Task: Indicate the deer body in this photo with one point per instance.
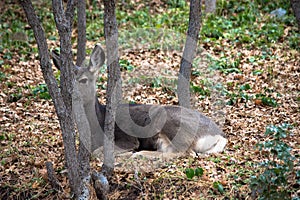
(183, 129)
(167, 129)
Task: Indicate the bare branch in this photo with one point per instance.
(59, 14)
(52, 178)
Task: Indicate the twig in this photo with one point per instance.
(52, 178)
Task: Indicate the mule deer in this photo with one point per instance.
(167, 129)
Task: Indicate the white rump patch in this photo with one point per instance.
(210, 144)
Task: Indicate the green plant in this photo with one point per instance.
(162, 81)
(2, 76)
(242, 95)
(42, 91)
(191, 173)
(278, 166)
(15, 97)
(266, 100)
(226, 65)
(217, 185)
(126, 65)
(2, 136)
(257, 72)
(294, 41)
(202, 90)
(176, 3)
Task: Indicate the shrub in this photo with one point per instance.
(278, 168)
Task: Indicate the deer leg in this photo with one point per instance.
(164, 144)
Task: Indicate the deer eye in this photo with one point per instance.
(83, 81)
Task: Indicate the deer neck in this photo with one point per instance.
(95, 115)
(100, 112)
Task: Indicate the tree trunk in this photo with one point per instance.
(114, 92)
(81, 118)
(61, 97)
(184, 77)
(296, 8)
(64, 22)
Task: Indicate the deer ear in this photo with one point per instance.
(97, 58)
(56, 59)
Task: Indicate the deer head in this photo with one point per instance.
(86, 76)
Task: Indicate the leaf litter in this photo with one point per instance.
(30, 133)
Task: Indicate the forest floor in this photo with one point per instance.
(262, 89)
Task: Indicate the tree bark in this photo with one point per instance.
(83, 152)
(81, 44)
(183, 88)
(84, 129)
(61, 97)
(296, 8)
(64, 21)
(114, 92)
(52, 178)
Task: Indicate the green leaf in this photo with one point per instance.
(125, 64)
(200, 90)
(196, 73)
(245, 87)
(190, 173)
(41, 91)
(231, 70)
(2, 137)
(252, 59)
(218, 186)
(257, 72)
(199, 171)
(276, 174)
(269, 101)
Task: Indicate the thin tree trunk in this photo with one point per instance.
(83, 153)
(61, 101)
(114, 92)
(81, 48)
(184, 77)
(64, 21)
(296, 8)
